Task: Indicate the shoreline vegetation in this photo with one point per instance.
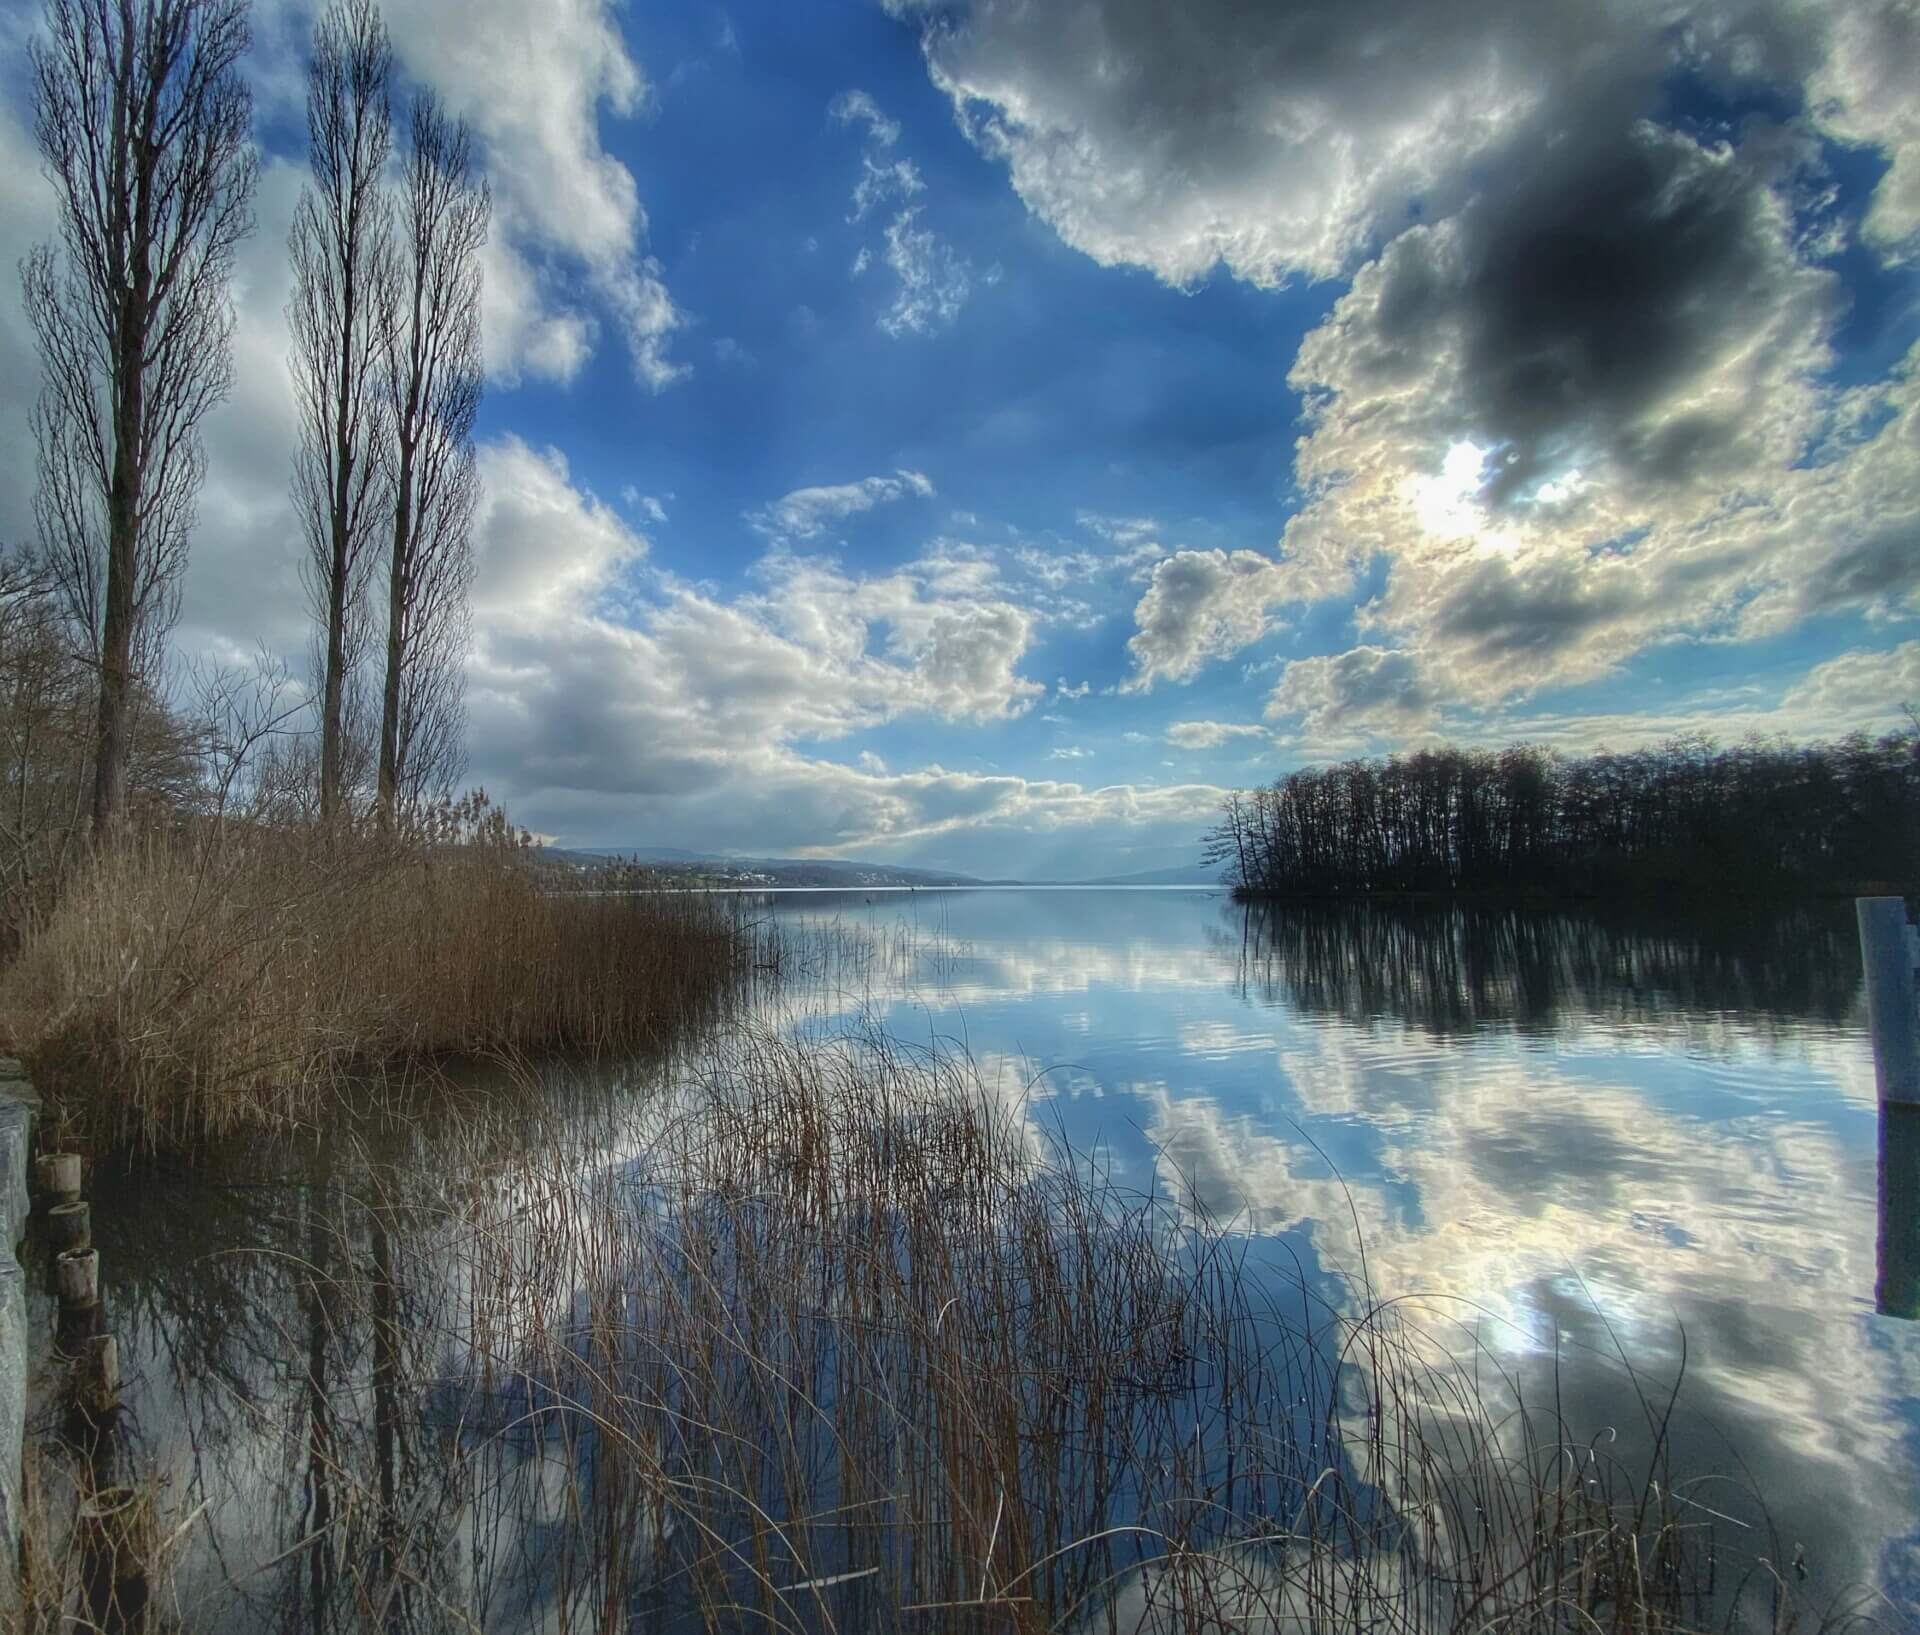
(1684, 821)
(227, 956)
(189, 985)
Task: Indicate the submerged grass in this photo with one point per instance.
(833, 1336)
(190, 984)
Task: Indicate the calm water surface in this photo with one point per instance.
(1582, 1137)
(1565, 1139)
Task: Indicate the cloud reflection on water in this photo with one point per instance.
(1587, 1135)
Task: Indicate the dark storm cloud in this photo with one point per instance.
(1497, 611)
(1286, 138)
(1592, 295)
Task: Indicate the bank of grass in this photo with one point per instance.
(192, 983)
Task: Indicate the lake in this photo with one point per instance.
(1589, 1153)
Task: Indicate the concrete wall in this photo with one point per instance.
(18, 1108)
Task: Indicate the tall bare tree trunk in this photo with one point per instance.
(144, 122)
(398, 598)
(123, 538)
(341, 248)
(433, 393)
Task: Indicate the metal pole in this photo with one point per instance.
(1887, 948)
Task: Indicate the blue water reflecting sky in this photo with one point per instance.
(1573, 1137)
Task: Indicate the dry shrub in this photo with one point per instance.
(194, 982)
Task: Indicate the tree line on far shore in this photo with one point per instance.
(1685, 817)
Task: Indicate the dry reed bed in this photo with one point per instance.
(185, 987)
(833, 1338)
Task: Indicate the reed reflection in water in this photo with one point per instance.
(853, 1343)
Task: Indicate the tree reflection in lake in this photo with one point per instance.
(1460, 968)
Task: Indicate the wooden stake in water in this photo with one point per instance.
(1888, 952)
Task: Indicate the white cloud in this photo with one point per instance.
(1273, 140)
(935, 279)
(807, 513)
(543, 549)
(857, 107)
(1863, 93)
(883, 184)
(561, 202)
(1865, 690)
(529, 328)
(601, 712)
(1211, 734)
(1071, 752)
(1202, 605)
(1370, 688)
(648, 505)
(1559, 450)
(1856, 690)
(1688, 477)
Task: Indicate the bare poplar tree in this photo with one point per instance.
(144, 126)
(340, 246)
(433, 377)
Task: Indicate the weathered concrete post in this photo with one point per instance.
(1889, 951)
(70, 1226)
(1896, 1291)
(18, 1109)
(76, 1274)
(1889, 954)
(59, 1176)
(76, 1281)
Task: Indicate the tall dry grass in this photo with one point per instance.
(197, 981)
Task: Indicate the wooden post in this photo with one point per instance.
(70, 1226)
(1887, 951)
(59, 1176)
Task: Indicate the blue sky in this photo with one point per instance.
(977, 433)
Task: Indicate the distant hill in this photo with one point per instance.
(760, 871)
(850, 873)
(1185, 874)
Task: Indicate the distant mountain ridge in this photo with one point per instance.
(842, 871)
(1182, 874)
(748, 871)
